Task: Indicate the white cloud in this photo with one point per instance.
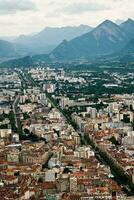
(79, 8)
(13, 6)
(27, 16)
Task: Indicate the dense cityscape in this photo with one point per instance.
(59, 141)
(66, 100)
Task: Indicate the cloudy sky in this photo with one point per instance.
(30, 16)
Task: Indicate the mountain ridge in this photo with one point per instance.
(47, 39)
(106, 38)
(128, 27)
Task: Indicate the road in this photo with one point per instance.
(16, 113)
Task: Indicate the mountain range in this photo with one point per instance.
(46, 40)
(104, 39)
(7, 49)
(71, 43)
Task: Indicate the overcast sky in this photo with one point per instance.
(30, 16)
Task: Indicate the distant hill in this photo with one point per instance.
(7, 49)
(128, 27)
(26, 61)
(21, 62)
(103, 40)
(46, 40)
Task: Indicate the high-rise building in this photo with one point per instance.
(93, 113)
(73, 184)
